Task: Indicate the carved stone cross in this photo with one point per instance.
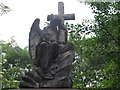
(61, 13)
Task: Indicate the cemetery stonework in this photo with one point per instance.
(51, 53)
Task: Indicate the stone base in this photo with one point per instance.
(46, 89)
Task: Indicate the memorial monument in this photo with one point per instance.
(50, 52)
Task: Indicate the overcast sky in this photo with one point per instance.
(18, 22)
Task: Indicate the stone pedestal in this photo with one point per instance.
(47, 89)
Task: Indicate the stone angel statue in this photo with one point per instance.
(51, 54)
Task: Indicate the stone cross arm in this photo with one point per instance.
(65, 16)
(61, 13)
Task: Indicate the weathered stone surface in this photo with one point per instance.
(65, 16)
(52, 56)
(61, 13)
(57, 74)
(48, 89)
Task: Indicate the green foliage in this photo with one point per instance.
(97, 63)
(15, 62)
(10, 76)
(97, 51)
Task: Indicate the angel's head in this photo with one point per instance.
(55, 21)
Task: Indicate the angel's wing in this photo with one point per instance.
(35, 36)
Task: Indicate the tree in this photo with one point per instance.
(97, 58)
(15, 62)
(4, 9)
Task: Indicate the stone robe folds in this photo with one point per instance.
(51, 54)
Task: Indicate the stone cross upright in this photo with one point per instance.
(62, 34)
(61, 13)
